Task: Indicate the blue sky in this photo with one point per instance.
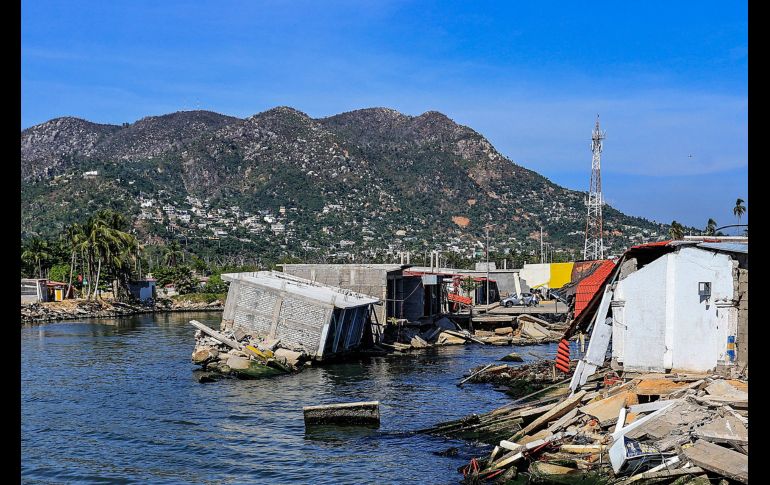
(669, 79)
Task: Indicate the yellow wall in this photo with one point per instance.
(561, 274)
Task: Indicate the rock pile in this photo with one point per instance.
(78, 309)
(243, 355)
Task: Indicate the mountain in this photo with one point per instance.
(280, 182)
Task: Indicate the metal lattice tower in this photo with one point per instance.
(594, 248)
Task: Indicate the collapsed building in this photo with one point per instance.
(319, 320)
(670, 306)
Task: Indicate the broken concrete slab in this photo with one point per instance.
(289, 356)
(354, 413)
(724, 429)
(238, 363)
(718, 459)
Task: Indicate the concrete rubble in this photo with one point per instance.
(239, 354)
(648, 428)
(400, 336)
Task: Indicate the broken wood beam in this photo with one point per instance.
(355, 413)
(474, 374)
(556, 412)
(216, 335)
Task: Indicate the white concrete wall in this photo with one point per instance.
(535, 274)
(643, 318)
(699, 334)
(663, 324)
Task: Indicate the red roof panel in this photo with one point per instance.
(588, 287)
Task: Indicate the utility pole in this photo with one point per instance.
(594, 248)
(487, 297)
(542, 259)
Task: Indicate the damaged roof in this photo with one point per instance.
(316, 291)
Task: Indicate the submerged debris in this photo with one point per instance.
(354, 413)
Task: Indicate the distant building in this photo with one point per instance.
(278, 228)
(143, 290)
(34, 290)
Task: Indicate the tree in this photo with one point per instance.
(468, 285)
(676, 231)
(739, 209)
(711, 226)
(74, 237)
(173, 253)
(106, 242)
(215, 284)
(37, 253)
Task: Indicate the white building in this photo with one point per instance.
(677, 306)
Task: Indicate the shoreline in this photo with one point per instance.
(68, 310)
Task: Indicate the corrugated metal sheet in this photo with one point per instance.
(589, 286)
(652, 244)
(726, 246)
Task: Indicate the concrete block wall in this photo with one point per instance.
(362, 279)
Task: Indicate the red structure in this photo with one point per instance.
(588, 287)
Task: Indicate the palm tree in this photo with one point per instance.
(36, 252)
(676, 231)
(104, 242)
(74, 237)
(711, 226)
(173, 253)
(739, 209)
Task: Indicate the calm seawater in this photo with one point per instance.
(116, 401)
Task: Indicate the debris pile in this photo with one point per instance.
(525, 330)
(517, 380)
(639, 429)
(78, 309)
(401, 337)
(242, 355)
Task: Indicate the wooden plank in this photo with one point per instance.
(213, 333)
(474, 374)
(564, 421)
(606, 410)
(728, 463)
(658, 387)
(556, 412)
(583, 448)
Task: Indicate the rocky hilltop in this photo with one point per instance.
(357, 184)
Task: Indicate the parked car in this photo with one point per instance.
(525, 299)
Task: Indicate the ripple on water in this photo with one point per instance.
(117, 402)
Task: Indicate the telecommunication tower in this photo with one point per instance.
(594, 248)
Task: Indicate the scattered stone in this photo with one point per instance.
(512, 357)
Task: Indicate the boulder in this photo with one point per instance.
(238, 363)
(512, 357)
(289, 356)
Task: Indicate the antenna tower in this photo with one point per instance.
(594, 248)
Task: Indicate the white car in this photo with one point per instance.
(525, 299)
